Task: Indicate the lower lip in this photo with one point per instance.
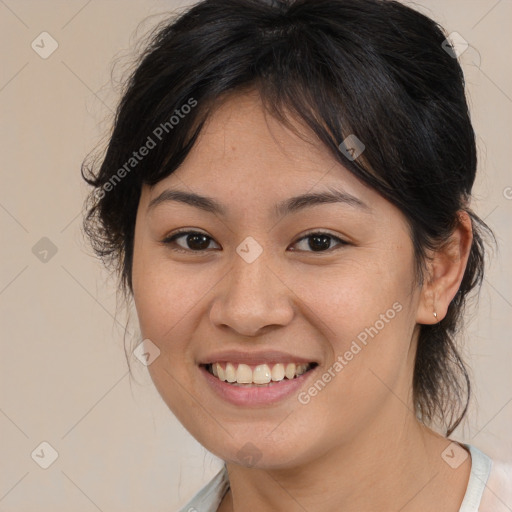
(256, 395)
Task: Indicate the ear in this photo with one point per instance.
(446, 269)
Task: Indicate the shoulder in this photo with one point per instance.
(209, 497)
(497, 495)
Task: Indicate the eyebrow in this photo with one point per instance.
(283, 208)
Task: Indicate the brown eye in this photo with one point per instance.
(320, 242)
(194, 241)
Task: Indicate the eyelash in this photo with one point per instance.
(169, 240)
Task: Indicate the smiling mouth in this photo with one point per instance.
(257, 375)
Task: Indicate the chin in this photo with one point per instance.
(253, 451)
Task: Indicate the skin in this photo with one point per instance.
(357, 444)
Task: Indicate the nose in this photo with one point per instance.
(252, 299)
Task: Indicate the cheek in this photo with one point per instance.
(347, 298)
(163, 298)
(162, 295)
(163, 292)
(365, 312)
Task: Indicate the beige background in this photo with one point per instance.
(64, 378)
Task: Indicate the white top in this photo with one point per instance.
(489, 488)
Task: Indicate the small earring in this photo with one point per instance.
(435, 314)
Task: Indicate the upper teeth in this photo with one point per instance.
(262, 374)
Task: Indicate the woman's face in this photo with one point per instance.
(255, 291)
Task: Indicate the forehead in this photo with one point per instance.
(244, 151)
